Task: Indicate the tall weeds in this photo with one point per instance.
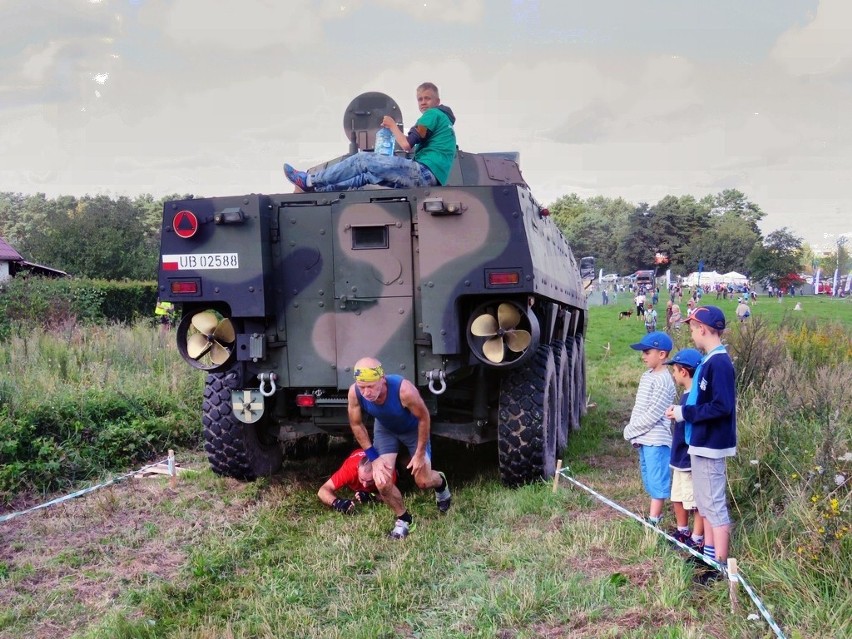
(791, 478)
(75, 402)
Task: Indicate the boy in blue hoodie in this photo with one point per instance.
(710, 414)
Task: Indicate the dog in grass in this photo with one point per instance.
(625, 315)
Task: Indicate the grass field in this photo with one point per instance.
(215, 558)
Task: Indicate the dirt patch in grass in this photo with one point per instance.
(92, 549)
(610, 624)
(598, 562)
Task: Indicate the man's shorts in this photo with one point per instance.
(656, 472)
(682, 488)
(710, 482)
(387, 441)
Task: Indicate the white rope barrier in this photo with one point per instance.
(80, 493)
(733, 576)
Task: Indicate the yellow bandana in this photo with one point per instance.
(368, 375)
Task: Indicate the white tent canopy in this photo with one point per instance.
(734, 278)
(707, 277)
(712, 278)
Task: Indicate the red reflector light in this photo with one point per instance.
(185, 288)
(306, 401)
(496, 279)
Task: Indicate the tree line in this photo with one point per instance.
(94, 236)
(97, 236)
(680, 232)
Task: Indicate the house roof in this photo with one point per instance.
(7, 253)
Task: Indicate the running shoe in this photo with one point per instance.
(679, 535)
(299, 178)
(706, 575)
(400, 530)
(444, 498)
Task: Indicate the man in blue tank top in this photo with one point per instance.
(401, 417)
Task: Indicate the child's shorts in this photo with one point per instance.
(710, 481)
(682, 488)
(656, 472)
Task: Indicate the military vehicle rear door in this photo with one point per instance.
(373, 284)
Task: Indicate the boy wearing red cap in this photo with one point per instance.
(710, 427)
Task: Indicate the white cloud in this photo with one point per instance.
(464, 11)
(824, 45)
(247, 25)
(211, 98)
(37, 61)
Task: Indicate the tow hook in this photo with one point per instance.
(264, 378)
(440, 377)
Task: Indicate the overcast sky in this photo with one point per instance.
(631, 98)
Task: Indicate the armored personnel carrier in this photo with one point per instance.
(468, 289)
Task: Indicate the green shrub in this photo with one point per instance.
(29, 301)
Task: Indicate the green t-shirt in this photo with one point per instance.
(438, 150)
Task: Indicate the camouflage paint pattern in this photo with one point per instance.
(327, 278)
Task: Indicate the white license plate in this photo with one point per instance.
(200, 261)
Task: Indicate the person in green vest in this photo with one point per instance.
(165, 313)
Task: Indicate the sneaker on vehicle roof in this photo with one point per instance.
(400, 530)
(299, 178)
(444, 498)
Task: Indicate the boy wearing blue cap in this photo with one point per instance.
(649, 430)
(710, 416)
(683, 366)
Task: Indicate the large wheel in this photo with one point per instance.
(235, 449)
(576, 398)
(526, 432)
(580, 377)
(564, 361)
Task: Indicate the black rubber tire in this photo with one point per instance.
(526, 429)
(234, 449)
(564, 361)
(580, 374)
(574, 413)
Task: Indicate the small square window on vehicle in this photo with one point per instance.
(370, 237)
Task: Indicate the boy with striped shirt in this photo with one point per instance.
(649, 430)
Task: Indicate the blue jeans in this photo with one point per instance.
(373, 168)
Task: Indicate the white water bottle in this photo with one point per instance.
(385, 142)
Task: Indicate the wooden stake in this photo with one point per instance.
(172, 472)
(733, 581)
(556, 475)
